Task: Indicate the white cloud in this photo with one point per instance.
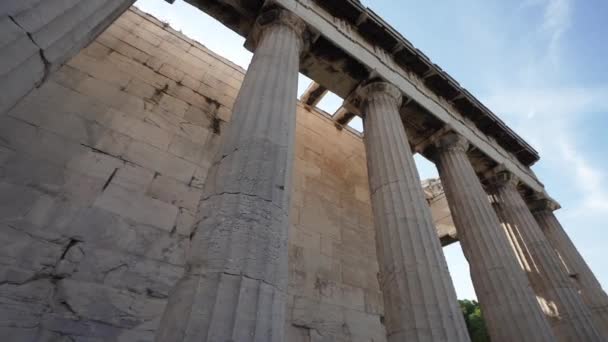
(544, 110)
(556, 21)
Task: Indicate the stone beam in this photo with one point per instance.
(313, 94)
(342, 117)
(355, 46)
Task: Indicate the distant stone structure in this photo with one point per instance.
(151, 190)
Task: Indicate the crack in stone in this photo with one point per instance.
(384, 185)
(252, 278)
(72, 243)
(45, 61)
(237, 193)
(112, 269)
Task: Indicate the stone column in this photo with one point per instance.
(419, 298)
(569, 316)
(234, 287)
(37, 37)
(510, 308)
(590, 288)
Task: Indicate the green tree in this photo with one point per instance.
(474, 320)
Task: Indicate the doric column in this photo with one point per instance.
(420, 302)
(569, 316)
(591, 290)
(509, 306)
(234, 288)
(37, 37)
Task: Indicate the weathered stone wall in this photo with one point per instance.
(101, 170)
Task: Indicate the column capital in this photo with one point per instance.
(500, 177)
(540, 202)
(277, 16)
(452, 141)
(365, 93)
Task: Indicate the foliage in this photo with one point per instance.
(474, 320)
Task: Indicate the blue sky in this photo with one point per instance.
(539, 64)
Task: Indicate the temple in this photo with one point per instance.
(152, 190)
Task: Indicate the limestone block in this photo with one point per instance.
(108, 305)
(321, 217)
(151, 134)
(373, 302)
(138, 70)
(174, 192)
(224, 113)
(94, 164)
(173, 105)
(200, 175)
(83, 329)
(139, 208)
(143, 31)
(111, 40)
(141, 89)
(297, 334)
(107, 94)
(190, 82)
(122, 271)
(364, 327)
(23, 256)
(157, 160)
(113, 232)
(97, 51)
(172, 72)
(102, 70)
(54, 97)
(305, 239)
(185, 223)
(15, 201)
(360, 273)
(319, 316)
(133, 178)
(187, 149)
(190, 97)
(22, 306)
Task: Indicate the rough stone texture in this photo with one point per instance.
(570, 318)
(96, 163)
(590, 288)
(419, 297)
(37, 37)
(235, 284)
(508, 302)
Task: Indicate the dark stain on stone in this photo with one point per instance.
(215, 125)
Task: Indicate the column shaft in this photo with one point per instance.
(234, 288)
(563, 305)
(590, 288)
(419, 298)
(509, 306)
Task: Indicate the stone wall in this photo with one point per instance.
(101, 170)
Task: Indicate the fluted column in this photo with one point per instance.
(509, 306)
(569, 316)
(590, 288)
(234, 288)
(419, 298)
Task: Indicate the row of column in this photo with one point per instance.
(234, 287)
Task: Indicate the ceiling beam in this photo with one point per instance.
(313, 94)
